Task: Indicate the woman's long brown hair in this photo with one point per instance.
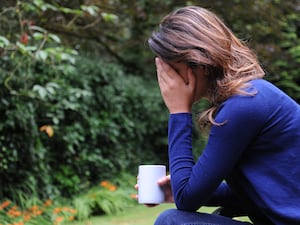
(196, 36)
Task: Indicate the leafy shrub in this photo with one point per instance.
(46, 213)
(107, 197)
(65, 128)
(286, 65)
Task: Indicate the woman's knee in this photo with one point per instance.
(166, 217)
(177, 217)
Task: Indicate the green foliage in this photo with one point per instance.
(124, 117)
(67, 124)
(34, 212)
(102, 120)
(98, 201)
(288, 63)
(105, 198)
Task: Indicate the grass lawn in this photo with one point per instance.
(138, 215)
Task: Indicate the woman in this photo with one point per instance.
(251, 163)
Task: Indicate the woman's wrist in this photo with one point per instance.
(177, 113)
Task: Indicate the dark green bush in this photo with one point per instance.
(104, 121)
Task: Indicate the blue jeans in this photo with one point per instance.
(177, 217)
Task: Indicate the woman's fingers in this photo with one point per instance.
(175, 91)
(191, 78)
(165, 180)
(165, 183)
(165, 72)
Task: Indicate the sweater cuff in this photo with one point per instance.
(180, 115)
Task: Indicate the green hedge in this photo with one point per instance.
(104, 121)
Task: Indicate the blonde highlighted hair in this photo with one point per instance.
(197, 37)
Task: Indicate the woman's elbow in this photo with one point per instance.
(186, 206)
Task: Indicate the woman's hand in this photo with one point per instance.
(177, 89)
(165, 184)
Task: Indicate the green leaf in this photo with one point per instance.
(109, 17)
(92, 9)
(55, 38)
(51, 86)
(4, 42)
(71, 11)
(37, 28)
(44, 6)
(42, 55)
(26, 50)
(295, 51)
(38, 36)
(40, 90)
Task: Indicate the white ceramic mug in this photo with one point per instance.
(149, 192)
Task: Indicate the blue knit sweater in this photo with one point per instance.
(257, 153)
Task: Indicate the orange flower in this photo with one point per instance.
(5, 204)
(19, 223)
(59, 219)
(112, 188)
(104, 183)
(73, 211)
(48, 202)
(14, 212)
(35, 210)
(26, 216)
(47, 129)
(56, 210)
(109, 186)
(65, 209)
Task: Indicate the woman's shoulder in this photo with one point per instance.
(264, 98)
(255, 91)
(259, 97)
(262, 90)
(271, 94)
(262, 84)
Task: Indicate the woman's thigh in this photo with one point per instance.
(177, 217)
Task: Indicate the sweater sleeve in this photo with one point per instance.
(193, 184)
